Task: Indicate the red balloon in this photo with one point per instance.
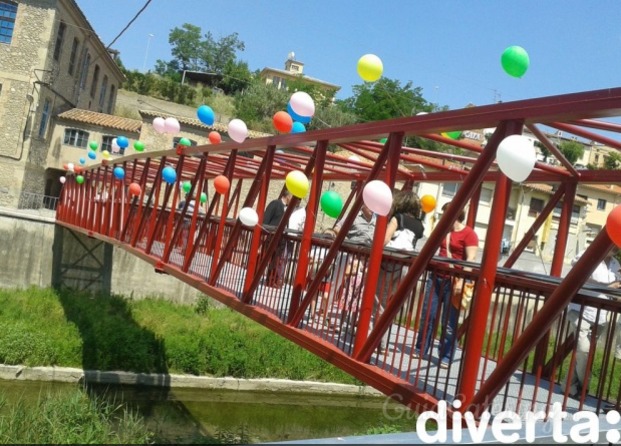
(134, 189)
(214, 137)
(221, 184)
(613, 226)
(283, 122)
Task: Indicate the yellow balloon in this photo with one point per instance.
(297, 183)
(370, 67)
(105, 154)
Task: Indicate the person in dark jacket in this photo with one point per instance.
(274, 213)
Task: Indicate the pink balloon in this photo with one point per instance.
(115, 146)
(378, 197)
(238, 130)
(172, 126)
(159, 124)
(302, 104)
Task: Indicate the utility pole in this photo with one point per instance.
(146, 54)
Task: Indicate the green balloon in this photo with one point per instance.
(79, 179)
(138, 146)
(187, 186)
(383, 140)
(93, 145)
(185, 142)
(331, 203)
(454, 135)
(515, 61)
(203, 197)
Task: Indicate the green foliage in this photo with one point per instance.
(258, 103)
(70, 418)
(612, 161)
(572, 150)
(42, 327)
(385, 99)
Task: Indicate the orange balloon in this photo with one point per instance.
(283, 122)
(613, 225)
(221, 184)
(427, 203)
(134, 189)
(214, 137)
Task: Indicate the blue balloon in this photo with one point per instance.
(92, 154)
(296, 117)
(82, 160)
(206, 115)
(122, 142)
(169, 175)
(298, 127)
(119, 173)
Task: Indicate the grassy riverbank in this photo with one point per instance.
(43, 327)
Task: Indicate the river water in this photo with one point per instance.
(191, 415)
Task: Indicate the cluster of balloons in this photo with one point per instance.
(168, 125)
(516, 157)
(300, 110)
(515, 61)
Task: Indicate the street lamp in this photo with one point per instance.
(146, 54)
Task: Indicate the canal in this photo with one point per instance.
(183, 415)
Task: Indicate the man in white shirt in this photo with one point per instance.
(591, 325)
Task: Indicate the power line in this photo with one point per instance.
(129, 24)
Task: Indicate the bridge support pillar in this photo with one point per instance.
(80, 262)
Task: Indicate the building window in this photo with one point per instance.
(95, 81)
(74, 54)
(536, 206)
(45, 116)
(486, 196)
(106, 144)
(77, 138)
(59, 40)
(450, 189)
(102, 93)
(601, 204)
(8, 11)
(86, 61)
(111, 99)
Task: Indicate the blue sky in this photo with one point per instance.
(449, 48)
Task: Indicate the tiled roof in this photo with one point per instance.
(610, 188)
(547, 188)
(190, 122)
(102, 119)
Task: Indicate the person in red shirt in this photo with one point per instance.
(462, 243)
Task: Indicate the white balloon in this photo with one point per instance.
(238, 130)
(62, 180)
(70, 167)
(516, 157)
(354, 158)
(302, 104)
(172, 126)
(159, 125)
(248, 217)
(115, 146)
(378, 197)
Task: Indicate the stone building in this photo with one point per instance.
(51, 61)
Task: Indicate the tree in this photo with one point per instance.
(612, 160)
(236, 76)
(544, 150)
(188, 49)
(572, 150)
(258, 103)
(217, 54)
(385, 99)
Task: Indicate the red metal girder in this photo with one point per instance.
(586, 134)
(597, 124)
(442, 228)
(301, 269)
(530, 233)
(552, 148)
(155, 193)
(392, 148)
(215, 259)
(484, 288)
(564, 225)
(542, 321)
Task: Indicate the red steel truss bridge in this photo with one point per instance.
(515, 346)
